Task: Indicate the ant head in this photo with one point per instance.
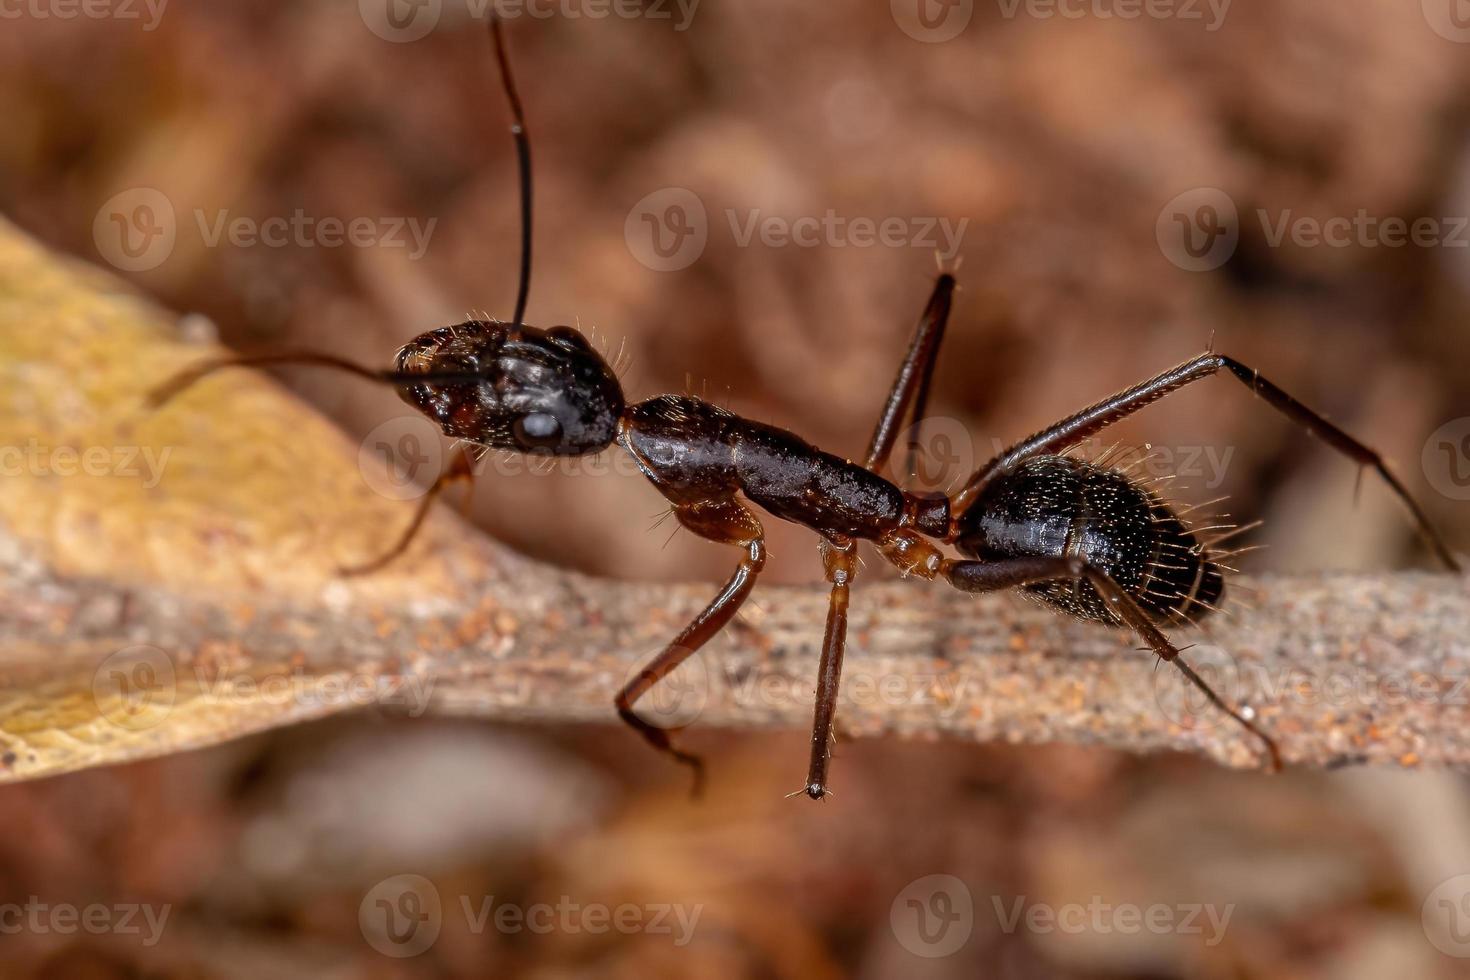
(526, 389)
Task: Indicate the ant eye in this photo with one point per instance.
(537, 430)
(567, 337)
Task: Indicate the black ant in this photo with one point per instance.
(1084, 538)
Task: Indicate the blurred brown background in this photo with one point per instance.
(1065, 144)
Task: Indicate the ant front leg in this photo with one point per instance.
(726, 521)
(460, 470)
(991, 576)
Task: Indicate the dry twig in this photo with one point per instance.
(143, 616)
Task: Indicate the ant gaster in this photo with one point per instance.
(1088, 540)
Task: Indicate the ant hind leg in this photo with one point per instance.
(991, 576)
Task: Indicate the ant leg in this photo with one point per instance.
(839, 559)
(1090, 420)
(910, 389)
(728, 522)
(459, 470)
(985, 576)
(914, 376)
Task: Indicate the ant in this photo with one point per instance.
(1089, 540)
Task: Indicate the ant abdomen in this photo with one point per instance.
(1057, 506)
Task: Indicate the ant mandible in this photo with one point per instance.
(1086, 539)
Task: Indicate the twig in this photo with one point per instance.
(139, 620)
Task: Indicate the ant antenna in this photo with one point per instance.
(158, 396)
(523, 161)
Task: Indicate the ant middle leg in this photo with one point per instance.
(839, 559)
(839, 556)
(726, 521)
(991, 576)
(1094, 418)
